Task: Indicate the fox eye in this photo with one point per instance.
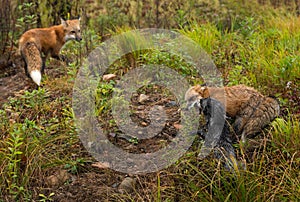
(79, 30)
(73, 32)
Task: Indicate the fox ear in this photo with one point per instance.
(63, 22)
(205, 91)
(79, 18)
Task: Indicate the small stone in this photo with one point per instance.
(101, 165)
(144, 123)
(143, 98)
(113, 135)
(177, 126)
(127, 185)
(60, 177)
(171, 103)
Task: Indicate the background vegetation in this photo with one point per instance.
(256, 43)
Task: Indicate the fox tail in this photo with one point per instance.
(36, 76)
(33, 60)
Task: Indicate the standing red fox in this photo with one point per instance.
(35, 42)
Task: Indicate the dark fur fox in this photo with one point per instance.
(251, 110)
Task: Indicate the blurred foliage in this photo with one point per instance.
(105, 15)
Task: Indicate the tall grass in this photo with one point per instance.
(259, 54)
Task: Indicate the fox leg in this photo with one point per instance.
(55, 54)
(218, 135)
(25, 67)
(43, 64)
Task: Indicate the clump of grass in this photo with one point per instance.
(257, 54)
(285, 132)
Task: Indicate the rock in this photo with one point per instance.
(127, 185)
(59, 178)
(143, 98)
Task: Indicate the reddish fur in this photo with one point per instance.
(48, 41)
(233, 96)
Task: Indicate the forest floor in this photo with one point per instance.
(92, 180)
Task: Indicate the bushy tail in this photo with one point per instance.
(258, 114)
(33, 59)
(36, 76)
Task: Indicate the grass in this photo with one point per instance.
(34, 138)
(38, 133)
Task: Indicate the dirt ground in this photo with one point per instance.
(93, 181)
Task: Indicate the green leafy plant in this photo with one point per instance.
(28, 20)
(285, 134)
(13, 159)
(46, 198)
(74, 166)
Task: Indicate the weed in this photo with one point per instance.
(46, 198)
(13, 159)
(285, 132)
(28, 20)
(74, 166)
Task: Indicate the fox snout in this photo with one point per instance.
(189, 105)
(78, 38)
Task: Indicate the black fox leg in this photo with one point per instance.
(62, 58)
(225, 151)
(26, 70)
(43, 65)
(25, 66)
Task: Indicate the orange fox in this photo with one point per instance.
(35, 45)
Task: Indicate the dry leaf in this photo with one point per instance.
(177, 126)
(108, 77)
(101, 165)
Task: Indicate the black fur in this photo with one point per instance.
(217, 135)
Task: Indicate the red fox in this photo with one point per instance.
(252, 110)
(47, 41)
